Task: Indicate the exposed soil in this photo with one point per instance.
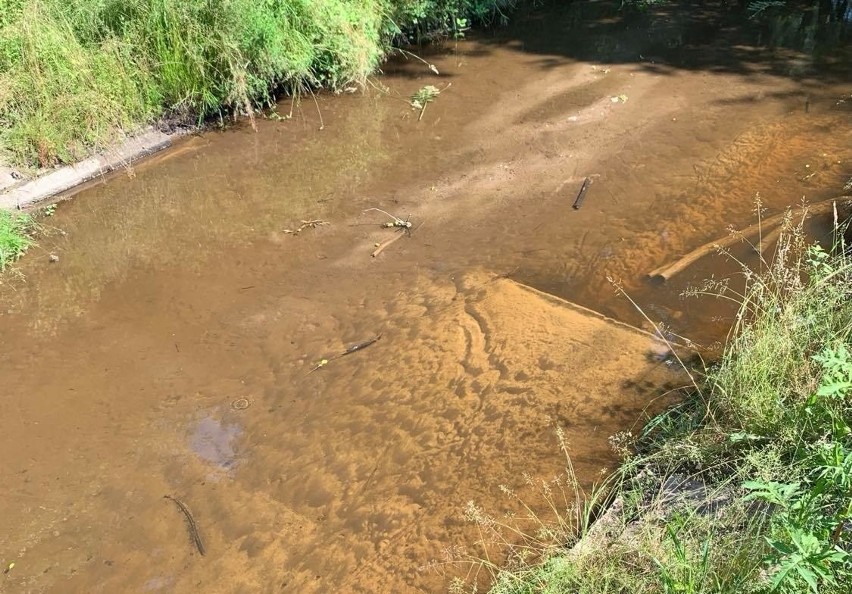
(178, 299)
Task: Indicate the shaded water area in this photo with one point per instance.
(170, 348)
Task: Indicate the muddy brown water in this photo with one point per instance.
(168, 350)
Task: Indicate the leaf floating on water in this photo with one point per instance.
(319, 365)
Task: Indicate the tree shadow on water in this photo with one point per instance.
(804, 41)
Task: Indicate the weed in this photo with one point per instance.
(15, 236)
(424, 97)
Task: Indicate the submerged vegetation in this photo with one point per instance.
(746, 486)
(75, 75)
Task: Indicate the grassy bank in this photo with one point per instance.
(747, 485)
(16, 231)
(75, 75)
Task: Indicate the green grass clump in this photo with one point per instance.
(767, 439)
(58, 95)
(77, 75)
(15, 236)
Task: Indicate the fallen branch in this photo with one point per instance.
(667, 272)
(770, 238)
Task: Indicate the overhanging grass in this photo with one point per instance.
(766, 443)
(15, 236)
(75, 75)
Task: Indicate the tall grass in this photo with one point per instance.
(76, 75)
(746, 486)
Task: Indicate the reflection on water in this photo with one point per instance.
(226, 189)
(815, 30)
(158, 584)
(213, 441)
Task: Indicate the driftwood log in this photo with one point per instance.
(767, 240)
(666, 272)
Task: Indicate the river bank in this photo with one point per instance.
(77, 77)
(83, 83)
(741, 487)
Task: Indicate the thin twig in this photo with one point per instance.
(431, 67)
(396, 219)
(312, 224)
(320, 364)
(358, 346)
(660, 335)
(322, 125)
(385, 244)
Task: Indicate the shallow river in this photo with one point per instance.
(170, 348)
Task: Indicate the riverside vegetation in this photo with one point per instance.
(760, 449)
(16, 230)
(77, 75)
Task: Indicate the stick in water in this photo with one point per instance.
(385, 244)
(582, 195)
(352, 349)
(193, 527)
(360, 345)
(666, 272)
